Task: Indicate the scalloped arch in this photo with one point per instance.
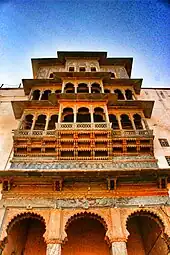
(86, 214)
(22, 216)
(151, 214)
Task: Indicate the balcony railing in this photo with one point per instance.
(132, 133)
(84, 126)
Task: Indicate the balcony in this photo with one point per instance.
(132, 133)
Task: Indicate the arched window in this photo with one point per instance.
(53, 120)
(40, 122)
(112, 75)
(114, 121)
(93, 69)
(126, 122)
(99, 115)
(67, 115)
(82, 88)
(82, 69)
(51, 75)
(69, 88)
(45, 95)
(95, 88)
(128, 94)
(83, 115)
(71, 69)
(137, 121)
(119, 94)
(106, 91)
(27, 123)
(36, 94)
(58, 91)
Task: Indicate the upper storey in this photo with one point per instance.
(78, 61)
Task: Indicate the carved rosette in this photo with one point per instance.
(119, 248)
(53, 249)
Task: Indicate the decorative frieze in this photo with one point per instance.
(114, 165)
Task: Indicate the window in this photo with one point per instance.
(93, 69)
(112, 75)
(51, 75)
(71, 69)
(168, 159)
(164, 142)
(82, 69)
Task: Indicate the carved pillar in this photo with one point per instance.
(62, 88)
(119, 248)
(91, 113)
(21, 122)
(75, 113)
(47, 121)
(89, 88)
(59, 114)
(53, 249)
(106, 113)
(41, 93)
(102, 88)
(124, 94)
(119, 121)
(144, 123)
(75, 87)
(33, 122)
(132, 120)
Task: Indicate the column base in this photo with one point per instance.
(53, 249)
(119, 248)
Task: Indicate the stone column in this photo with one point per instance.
(41, 93)
(53, 249)
(62, 88)
(132, 120)
(59, 114)
(33, 122)
(119, 121)
(102, 88)
(91, 113)
(47, 121)
(89, 85)
(75, 113)
(119, 248)
(106, 113)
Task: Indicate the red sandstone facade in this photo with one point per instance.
(83, 177)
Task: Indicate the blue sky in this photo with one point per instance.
(38, 28)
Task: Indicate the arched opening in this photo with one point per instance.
(128, 94)
(114, 121)
(67, 115)
(82, 69)
(145, 237)
(36, 94)
(126, 122)
(45, 95)
(82, 88)
(71, 69)
(112, 75)
(137, 121)
(58, 91)
(27, 123)
(106, 91)
(99, 115)
(25, 236)
(51, 76)
(69, 88)
(95, 88)
(93, 69)
(86, 236)
(83, 115)
(40, 122)
(53, 120)
(119, 93)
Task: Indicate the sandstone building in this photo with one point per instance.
(84, 160)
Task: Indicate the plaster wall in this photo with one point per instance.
(7, 123)
(159, 122)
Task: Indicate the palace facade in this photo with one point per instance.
(85, 160)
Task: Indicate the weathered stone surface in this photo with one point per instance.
(119, 248)
(53, 249)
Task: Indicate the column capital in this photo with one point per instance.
(53, 241)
